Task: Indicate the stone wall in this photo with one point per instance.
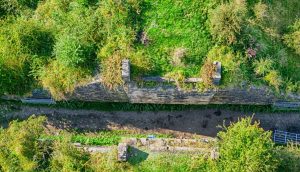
(96, 92)
(168, 94)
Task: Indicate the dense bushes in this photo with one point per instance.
(71, 52)
(20, 149)
(167, 38)
(246, 147)
(66, 157)
(227, 21)
(61, 80)
(15, 7)
(231, 64)
(242, 146)
(292, 39)
(21, 42)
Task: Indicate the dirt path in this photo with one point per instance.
(183, 123)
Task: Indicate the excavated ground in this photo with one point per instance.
(181, 124)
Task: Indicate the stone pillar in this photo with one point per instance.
(214, 154)
(126, 70)
(217, 76)
(122, 152)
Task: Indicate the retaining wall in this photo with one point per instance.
(133, 93)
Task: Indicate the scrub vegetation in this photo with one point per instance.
(59, 45)
(242, 146)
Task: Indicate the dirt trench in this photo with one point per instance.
(179, 123)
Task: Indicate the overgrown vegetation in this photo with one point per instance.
(243, 146)
(62, 44)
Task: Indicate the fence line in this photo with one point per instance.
(283, 137)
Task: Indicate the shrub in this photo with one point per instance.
(260, 11)
(202, 164)
(20, 36)
(111, 71)
(67, 158)
(106, 162)
(231, 64)
(13, 7)
(292, 87)
(207, 72)
(61, 80)
(20, 149)
(263, 66)
(21, 41)
(293, 38)
(15, 79)
(179, 78)
(289, 158)
(118, 31)
(71, 51)
(274, 79)
(244, 146)
(226, 21)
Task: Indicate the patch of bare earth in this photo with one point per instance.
(182, 124)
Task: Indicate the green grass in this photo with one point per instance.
(172, 24)
(145, 161)
(104, 138)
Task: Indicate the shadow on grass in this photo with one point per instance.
(136, 156)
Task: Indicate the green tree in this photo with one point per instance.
(245, 147)
(20, 149)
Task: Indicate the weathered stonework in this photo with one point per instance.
(168, 94)
(95, 91)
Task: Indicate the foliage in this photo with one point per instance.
(274, 79)
(263, 66)
(106, 162)
(231, 64)
(14, 80)
(207, 72)
(293, 38)
(21, 42)
(159, 37)
(103, 138)
(289, 157)
(246, 147)
(112, 71)
(20, 149)
(70, 51)
(14, 7)
(67, 158)
(61, 80)
(292, 87)
(179, 78)
(168, 26)
(227, 20)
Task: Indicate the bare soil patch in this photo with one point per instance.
(185, 124)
